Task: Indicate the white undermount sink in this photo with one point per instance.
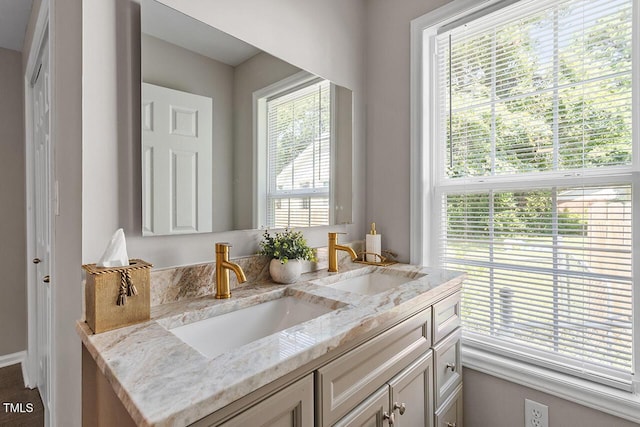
(219, 334)
(371, 283)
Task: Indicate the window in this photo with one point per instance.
(528, 116)
(298, 156)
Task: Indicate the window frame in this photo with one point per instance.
(262, 192)
(425, 210)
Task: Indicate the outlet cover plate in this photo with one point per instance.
(535, 414)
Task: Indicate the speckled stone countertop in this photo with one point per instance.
(162, 381)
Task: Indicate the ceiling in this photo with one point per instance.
(158, 20)
(14, 16)
(174, 27)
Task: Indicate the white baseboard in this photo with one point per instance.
(13, 359)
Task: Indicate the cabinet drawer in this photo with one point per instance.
(450, 414)
(348, 380)
(447, 366)
(446, 316)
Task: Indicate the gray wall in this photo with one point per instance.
(488, 401)
(13, 286)
(388, 143)
(66, 132)
(331, 44)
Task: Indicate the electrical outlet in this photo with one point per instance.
(535, 414)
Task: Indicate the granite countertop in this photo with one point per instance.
(162, 381)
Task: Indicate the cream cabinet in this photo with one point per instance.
(403, 401)
(290, 407)
(447, 362)
(447, 366)
(350, 379)
(408, 375)
(373, 412)
(446, 316)
(411, 394)
(450, 413)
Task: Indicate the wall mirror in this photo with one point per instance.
(234, 138)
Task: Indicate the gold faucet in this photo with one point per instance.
(223, 265)
(334, 247)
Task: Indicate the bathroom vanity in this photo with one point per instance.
(365, 346)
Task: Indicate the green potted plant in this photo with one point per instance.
(286, 249)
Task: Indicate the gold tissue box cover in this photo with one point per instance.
(102, 291)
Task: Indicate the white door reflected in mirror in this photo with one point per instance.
(176, 161)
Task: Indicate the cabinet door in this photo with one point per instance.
(412, 394)
(373, 412)
(290, 407)
(448, 367)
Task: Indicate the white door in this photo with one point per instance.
(42, 224)
(177, 161)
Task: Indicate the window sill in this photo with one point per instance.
(606, 399)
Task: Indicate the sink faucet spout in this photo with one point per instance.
(223, 266)
(334, 247)
(236, 269)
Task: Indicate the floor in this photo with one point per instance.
(19, 406)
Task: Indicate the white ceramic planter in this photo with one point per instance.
(288, 272)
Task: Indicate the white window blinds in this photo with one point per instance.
(299, 157)
(536, 182)
(549, 90)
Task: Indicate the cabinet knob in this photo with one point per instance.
(46, 279)
(452, 367)
(37, 261)
(390, 417)
(400, 406)
(451, 424)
